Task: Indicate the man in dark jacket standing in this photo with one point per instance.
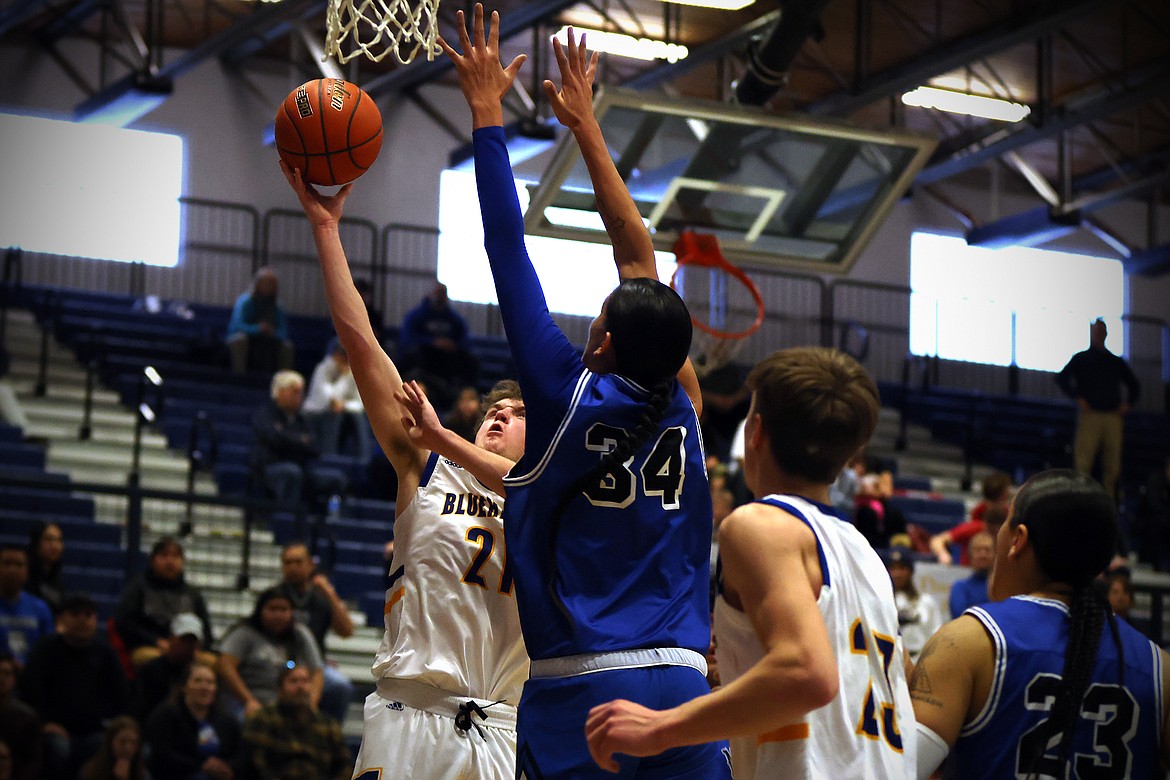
(1094, 378)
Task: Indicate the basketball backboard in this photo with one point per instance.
(783, 190)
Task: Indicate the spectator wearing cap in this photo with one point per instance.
(154, 598)
(74, 681)
(24, 618)
(20, 727)
(157, 678)
(919, 615)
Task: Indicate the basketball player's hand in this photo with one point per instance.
(622, 726)
(420, 422)
(573, 104)
(482, 78)
(322, 210)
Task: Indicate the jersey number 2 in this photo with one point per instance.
(868, 723)
(1112, 711)
(487, 543)
(662, 472)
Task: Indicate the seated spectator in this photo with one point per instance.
(24, 618)
(256, 648)
(919, 615)
(972, 590)
(289, 739)
(20, 728)
(997, 493)
(120, 755)
(46, 546)
(153, 599)
(433, 342)
(285, 447)
(187, 739)
(877, 521)
(74, 681)
(257, 333)
(157, 679)
(334, 407)
(465, 415)
(317, 607)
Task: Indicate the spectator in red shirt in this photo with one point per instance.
(997, 492)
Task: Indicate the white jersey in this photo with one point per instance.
(451, 619)
(868, 731)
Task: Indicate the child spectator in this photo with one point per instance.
(120, 756)
(919, 615)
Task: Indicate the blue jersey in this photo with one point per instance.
(1121, 720)
(629, 567)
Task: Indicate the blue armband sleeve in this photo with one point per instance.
(545, 360)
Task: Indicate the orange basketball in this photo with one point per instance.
(330, 130)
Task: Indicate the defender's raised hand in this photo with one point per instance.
(482, 78)
(573, 103)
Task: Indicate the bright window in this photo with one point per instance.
(576, 275)
(90, 190)
(988, 305)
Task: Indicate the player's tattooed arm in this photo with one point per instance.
(920, 688)
(952, 678)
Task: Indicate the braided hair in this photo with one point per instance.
(650, 328)
(1072, 525)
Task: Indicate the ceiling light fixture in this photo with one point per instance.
(627, 45)
(722, 5)
(965, 103)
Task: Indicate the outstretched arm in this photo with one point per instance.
(764, 556)
(425, 429)
(633, 249)
(374, 373)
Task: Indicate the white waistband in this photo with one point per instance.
(437, 701)
(587, 663)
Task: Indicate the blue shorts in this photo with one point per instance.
(550, 728)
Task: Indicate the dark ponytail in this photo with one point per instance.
(652, 414)
(1072, 525)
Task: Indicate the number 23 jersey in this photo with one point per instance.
(1120, 723)
(450, 613)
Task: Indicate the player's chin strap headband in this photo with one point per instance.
(703, 250)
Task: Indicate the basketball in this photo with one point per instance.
(330, 130)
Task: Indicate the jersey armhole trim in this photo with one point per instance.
(538, 469)
(799, 515)
(998, 673)
(428, 470)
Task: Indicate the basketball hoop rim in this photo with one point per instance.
(717, 261)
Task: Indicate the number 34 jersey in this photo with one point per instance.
(450, 612)
(1120, 722)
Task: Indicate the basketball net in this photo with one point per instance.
(702, 249)
(376, 28)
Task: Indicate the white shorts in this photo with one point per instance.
(409, 731)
